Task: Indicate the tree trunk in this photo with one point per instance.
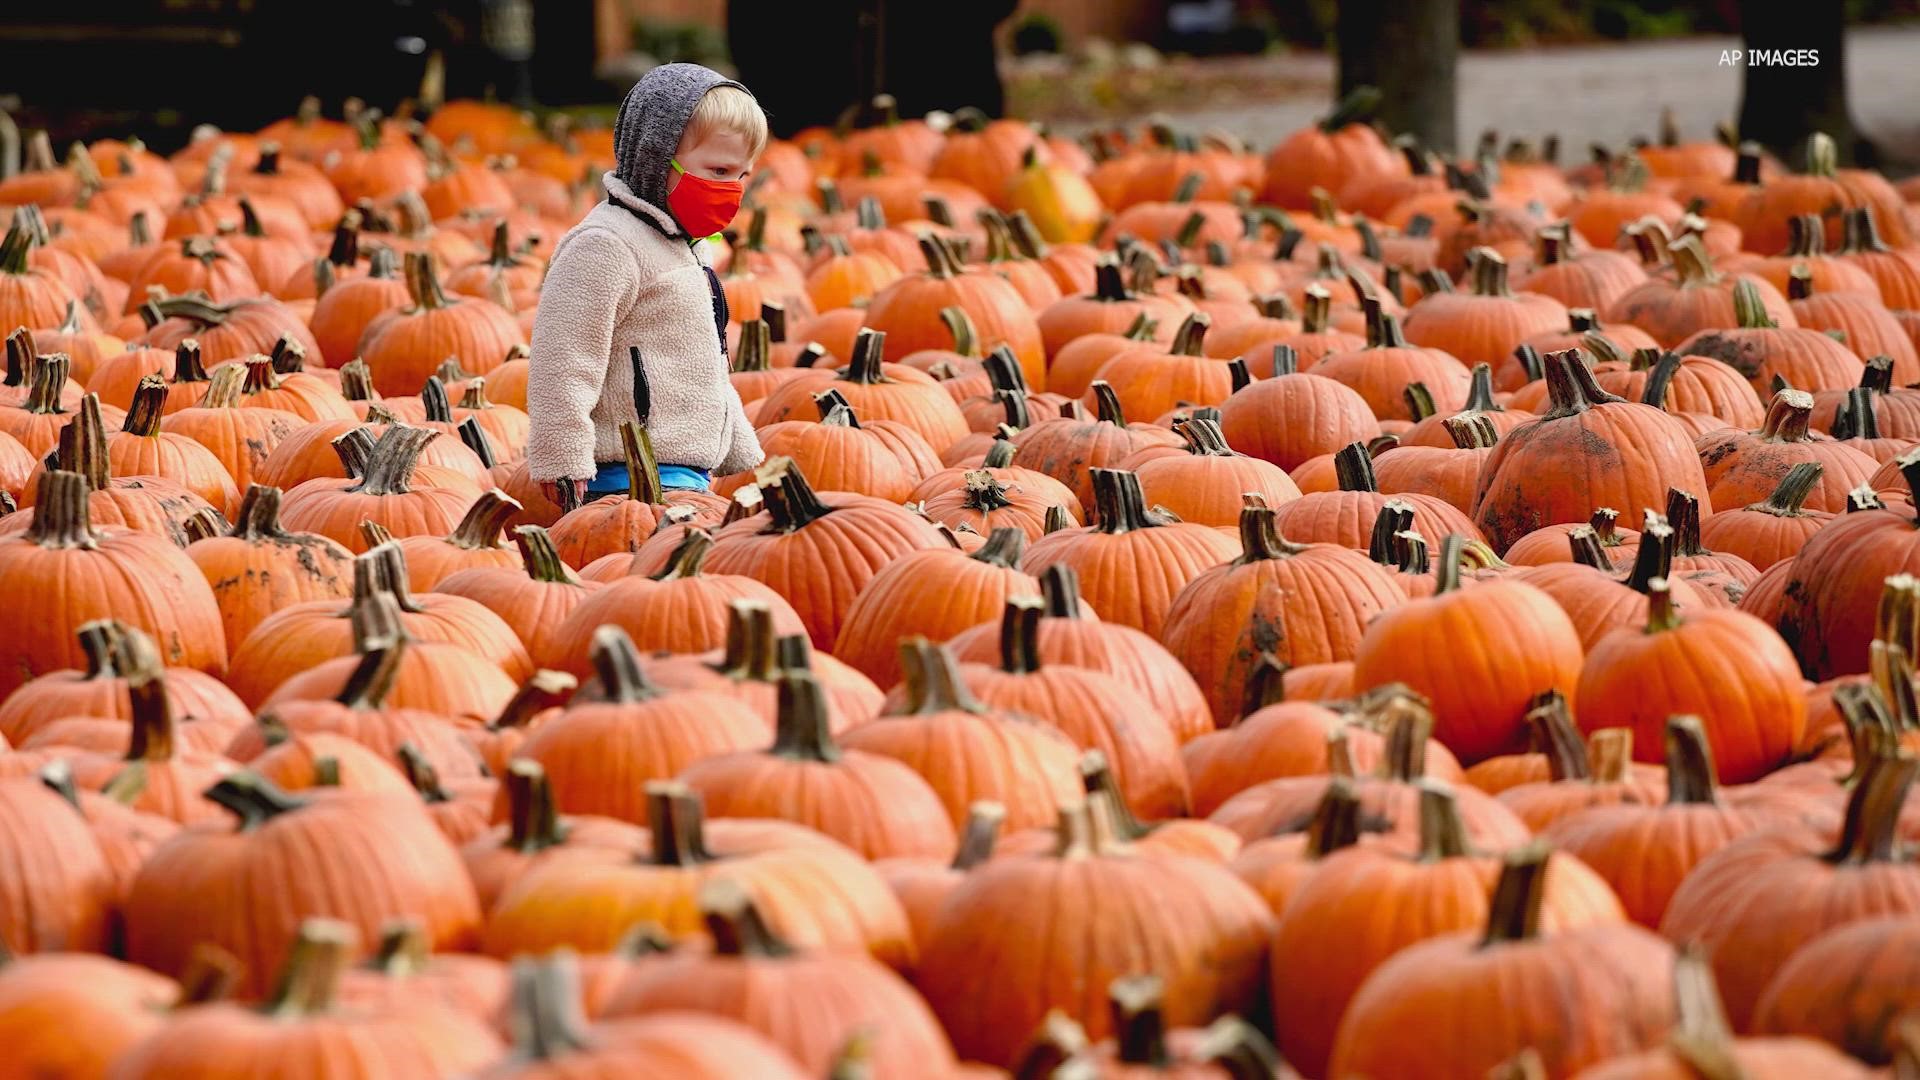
(1409, 49)
(1780, 105)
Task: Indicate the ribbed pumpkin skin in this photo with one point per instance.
(140, 579)
(46, 1000)
(1132, 578)
(1645, 852)
(1562, 468)
(935, 594)
(1311, 606)
(1447, 987)
(908, 311)
(822, 565)
(992, 970)
(1752, 904)
(808, 1003)
(1726, 667)
(1479, 654)
(1848, 987)
(1834, 588)
(1136, 661)
(57, 886)
(248, 891)
(1366, 903)
(599, 757)
(1293, 418)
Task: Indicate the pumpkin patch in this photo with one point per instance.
(1205, 611)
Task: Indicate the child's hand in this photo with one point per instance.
(551, 489)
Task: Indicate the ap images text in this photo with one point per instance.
(1770, 58)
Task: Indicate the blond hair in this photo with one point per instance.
(727, 108)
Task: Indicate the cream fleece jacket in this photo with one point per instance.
(626, 276)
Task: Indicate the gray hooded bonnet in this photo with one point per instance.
(651, 121)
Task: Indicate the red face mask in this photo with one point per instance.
(702, 206)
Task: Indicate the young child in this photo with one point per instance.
(634, 274)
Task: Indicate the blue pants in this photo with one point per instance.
(611, 479)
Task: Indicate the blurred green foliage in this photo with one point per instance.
(1498, 23)
(680, 42)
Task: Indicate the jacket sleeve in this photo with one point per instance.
(743, 450)
(588, 286)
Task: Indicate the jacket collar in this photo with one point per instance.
(619, 193)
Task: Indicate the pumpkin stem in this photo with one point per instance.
(1443, 835)
(21, 357)
(1020, 635)
(423, 283)
(83, 445)
(1060, 588)
(617, 664)
(437, 406)
(1409, 724)
(1112, 817)
(1873, 812)
(687, 557)
(100, 641)
(1447, 574)
(1106, 403)
(1909, 466)
(735, 923)
(752, 648)
(984, 492)
(1119, 504)
(389, 466)
(485, 522)
(1480, 391)
(790, 501)
(533, 819)
(1205, 439)
(1193, 330)
(1514, 913)
(1787, 417)
(1316, 310)
(1689, 762)
(149, 405)
(1419, 399)
(1790, 495)
(251, 798)
(545, 1014)
(1702, 1039)
(1074, 832)
(543, 690)
(356, 381)
(151, 710)
(1653, 560)
(1571, 387)
(540, 558)
(933, 680)
(1058, 518)
(1854, 418)
(1260, 537)
(1661, 614)
(1266, 685)
(979, 834)
(1335, 823)
(308, 983)
(1395, 517)
(1470, 431)
(1383, 329)
(1139, 1025)
(1683, 515)
(62, 518)
(863, 367)
(803, 729)
(46, 382)
(1557, 738)
(677, 823)
(1353, 466)
(1489, 273)
(1003, 548)
(1610, 750)
(1660, 375)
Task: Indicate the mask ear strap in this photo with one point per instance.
(675, 162)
